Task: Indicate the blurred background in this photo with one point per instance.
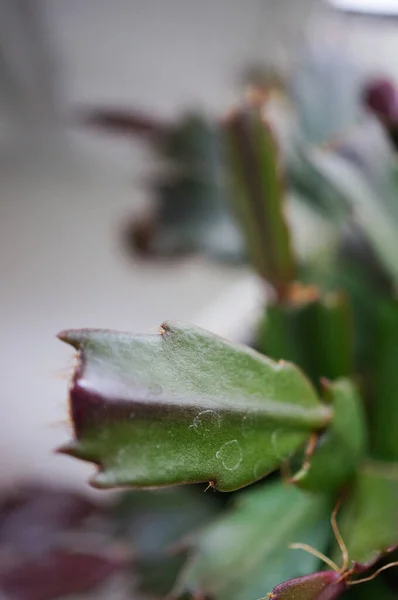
(101, 103)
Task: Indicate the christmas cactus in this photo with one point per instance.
(309, 415)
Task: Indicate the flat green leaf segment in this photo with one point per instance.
(377, 589)
(258, 195)
(342, 446)
(313, 331)
(385, 380)
(156, 521)
(369, 521)
(185, 406)
(245, 554)
(370, 211)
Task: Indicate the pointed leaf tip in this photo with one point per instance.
(73, 337)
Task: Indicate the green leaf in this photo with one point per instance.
(257, 194)
(341, 447)
(369, 520)
(185, 406)
(156, 523)
(192, 213)
(356, 252)
(245, 553)
(314, 188)
(369, 213)
(384, 409)
(373, 590)
(155, 520)
(359, 272)
(311, 330)
(193, 145)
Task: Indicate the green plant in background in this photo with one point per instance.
(315, 402)
(191, 207)
(335, 156)
(192, 213)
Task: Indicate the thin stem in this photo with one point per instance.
(285, 472)
(309, 451)
(339, 539)
(393, 564)
(316, 553)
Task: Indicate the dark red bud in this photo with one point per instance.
(324, 585)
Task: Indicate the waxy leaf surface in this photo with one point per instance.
(245, 553)
(185, 406)
(369, 519)
(341, 447)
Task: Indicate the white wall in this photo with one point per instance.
(372, 42)
(160, 54)
(155, 54)
(168, 54)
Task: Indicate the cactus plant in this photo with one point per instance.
(309, 417)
